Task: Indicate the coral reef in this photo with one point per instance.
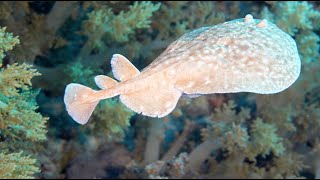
(20, 124)
(16, 166)
(103, 23)
(111, 119)
(242, 135)
(7, 42)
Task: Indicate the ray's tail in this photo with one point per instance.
(80, 101)
(154, 100)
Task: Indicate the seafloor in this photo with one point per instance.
(45, 45)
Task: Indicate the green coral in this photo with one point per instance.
(242, 139)
(264, 139)
(19, 117)
(178, 17)
(17, 166)
(237, 136)
(19, 122)
(7, 42)
(295, 16)
(103, 21)
(308, 45)
(12, 80)
(111, 118)
(80, 74)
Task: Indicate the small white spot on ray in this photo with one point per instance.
(141, 108)
(200, 63)
(259, 73)
(237, 72)
(206, 51)
(250, 63)
(167, 104)
(265, 61)
(242, 65)
(221, 56)
(190, 84)
(172, 72)
(207, 81)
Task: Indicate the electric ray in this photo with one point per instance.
(242, 55)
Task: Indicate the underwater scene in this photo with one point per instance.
(159, 89)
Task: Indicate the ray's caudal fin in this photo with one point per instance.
(81, 101)
(78, 104)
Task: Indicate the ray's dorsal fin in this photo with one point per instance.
(122, 68)
(105, 82)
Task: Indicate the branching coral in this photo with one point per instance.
(111, 119)
(177, 18)
(17, 166)
(16, 105)
(308, 45)
(265, 140)
(37, 32)
(243, 146)
(295, 16)
(12, 81)
(19, 121)
(78, 73)
(266, 136)
(119, 27)
(7, 42)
